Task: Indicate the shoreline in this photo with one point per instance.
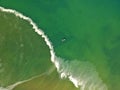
(57, 61)
(48, 43)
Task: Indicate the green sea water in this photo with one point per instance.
(84, 33)
(25, 58)
(23, 53)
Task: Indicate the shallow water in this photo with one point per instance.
(23, 53)
(45, 82)
(83, 33)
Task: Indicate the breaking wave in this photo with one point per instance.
(81, 73)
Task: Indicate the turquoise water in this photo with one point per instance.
(82, 32)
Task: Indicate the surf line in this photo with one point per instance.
(41, 33)
(54, 58)
(38, 31)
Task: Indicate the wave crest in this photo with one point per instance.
(81, 73)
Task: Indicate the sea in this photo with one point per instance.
(59, 45)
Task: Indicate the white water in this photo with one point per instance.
(82, 74)
(67, 72)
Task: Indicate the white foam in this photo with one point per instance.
(82, 74)
(1, 88)
(37, 30)
(76, 81)
(20, 82)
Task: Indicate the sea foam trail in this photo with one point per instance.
(39, 31)
(13, 85)
(82, 73)
(81, 79)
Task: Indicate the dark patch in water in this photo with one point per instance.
(50, 5)
(61, 38)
